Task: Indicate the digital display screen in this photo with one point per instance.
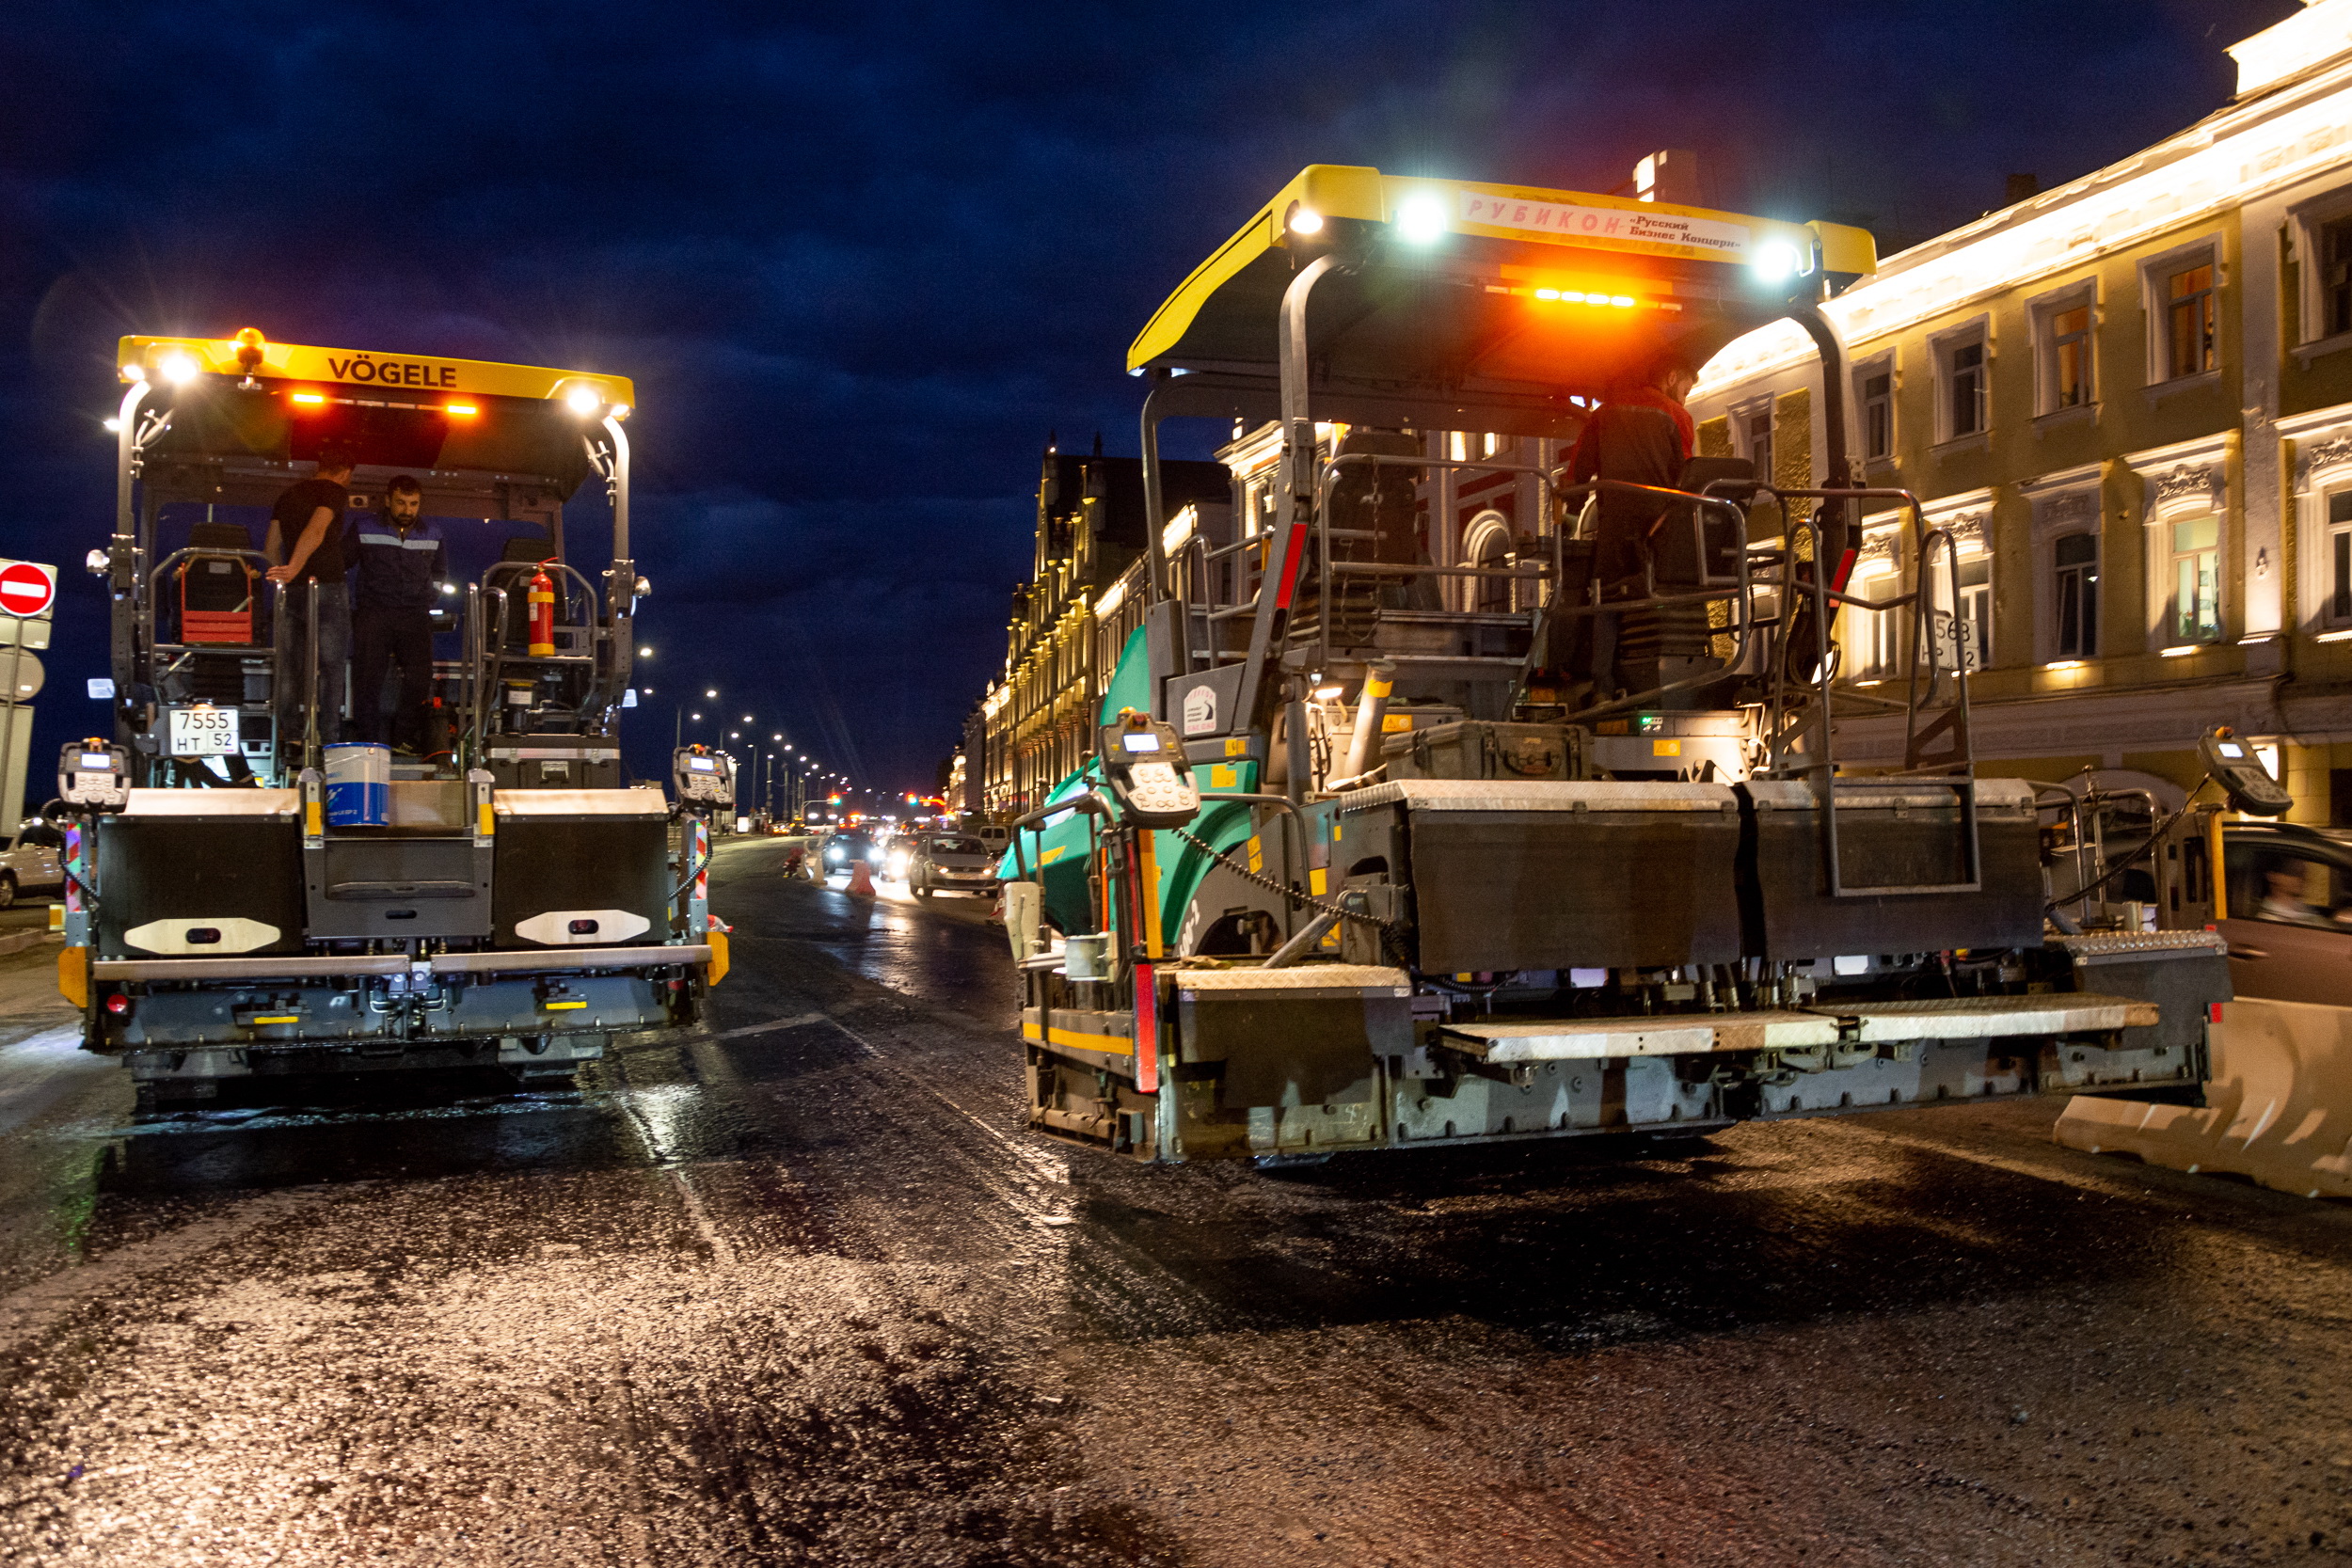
(702, 764)
(2231, 749)
(98, 762)
(1140, 740)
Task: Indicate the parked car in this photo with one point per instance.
(31, 863)
(2290, 911)
(951, 863)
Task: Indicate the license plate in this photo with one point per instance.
(203, 732)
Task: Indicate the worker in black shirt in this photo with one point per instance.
(401, 558)
(306, 544)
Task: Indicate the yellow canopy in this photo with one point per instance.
(390, 373)
(1463, 285)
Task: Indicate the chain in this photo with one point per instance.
(1387, 928)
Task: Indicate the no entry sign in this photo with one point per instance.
(26, 590)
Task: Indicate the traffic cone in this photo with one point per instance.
(861, 879)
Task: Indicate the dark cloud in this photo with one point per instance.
(861, 258)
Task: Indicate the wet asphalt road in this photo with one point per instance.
(801, 1290)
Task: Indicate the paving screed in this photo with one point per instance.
(801, 1288)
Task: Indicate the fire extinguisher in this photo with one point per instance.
(542, 614)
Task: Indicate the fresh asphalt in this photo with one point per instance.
(799, 1288)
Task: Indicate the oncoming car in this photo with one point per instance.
(847, 846)
(950, 862)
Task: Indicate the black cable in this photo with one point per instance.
(1281, 889)
(2156, 836)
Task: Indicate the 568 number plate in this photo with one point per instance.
(204, 732)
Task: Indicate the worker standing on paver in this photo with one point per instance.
(402, 558)
(305, 547)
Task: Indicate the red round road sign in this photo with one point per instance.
(25, 588)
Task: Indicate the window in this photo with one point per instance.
(2196, 579)
(1756, 429)
(2069, 358)
(1873, 639)
(1976, 612)
(1966, 391)
(2188, 323)
(1878, 413)
(1490, 550)
(1874, 635)
(2340, 559)
(1964, 640)
(2287, 889)
(2333, 243)
(2076, 557)
(2318, 256)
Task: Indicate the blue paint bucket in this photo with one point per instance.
(358, 785)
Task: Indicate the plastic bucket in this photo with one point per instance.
(358, 785)
(1087, 958)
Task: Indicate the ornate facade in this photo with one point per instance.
(1036, 723)
(2129, 400)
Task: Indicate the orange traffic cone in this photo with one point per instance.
(861, 879)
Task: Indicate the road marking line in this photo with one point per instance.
(801, 1021)
(1040, 1167)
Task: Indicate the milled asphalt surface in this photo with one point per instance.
(800, 1288)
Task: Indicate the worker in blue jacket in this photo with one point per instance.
(403, 560)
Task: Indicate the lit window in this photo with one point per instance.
(1975, 630)
(1873, 637)
(2189, 321)
(1460, 447)
(2195, 580)
(1966, 636)
(1878, 414)
(2075, 559)
(2069, 358)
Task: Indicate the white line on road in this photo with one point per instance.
(801, 1021)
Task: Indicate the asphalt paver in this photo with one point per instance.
(799, 1288)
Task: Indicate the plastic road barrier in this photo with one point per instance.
(2278, 1107)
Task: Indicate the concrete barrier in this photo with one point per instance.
(2278, 1108)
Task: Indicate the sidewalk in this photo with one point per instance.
(29, 1002)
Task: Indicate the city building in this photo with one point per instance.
(1036, 723)
(2129, 399)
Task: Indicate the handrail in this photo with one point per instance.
(1327, 479)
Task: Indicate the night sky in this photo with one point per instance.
(862, 259)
